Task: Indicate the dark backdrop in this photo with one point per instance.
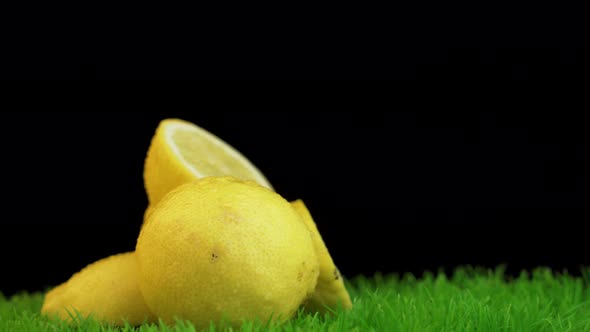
(402, 40)
(399, 192)
(369, 59)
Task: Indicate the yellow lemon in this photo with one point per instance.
(225, 249)
(330, 291)
(181, 152)
(147, 213)
(107, 290)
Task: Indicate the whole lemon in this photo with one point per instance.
(225, 249)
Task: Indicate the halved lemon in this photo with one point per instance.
(107, 289)
(182, 152)
(330, 291)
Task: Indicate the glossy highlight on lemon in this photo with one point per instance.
(181, 152)
(222, 248)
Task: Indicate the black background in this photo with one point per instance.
(430, 41)
(391, 192)
(390, 40)
(379, 58)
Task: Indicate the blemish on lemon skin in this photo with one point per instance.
(214, 257)
(336, 274)
(300, 276)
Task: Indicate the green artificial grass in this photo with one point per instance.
(470, 300)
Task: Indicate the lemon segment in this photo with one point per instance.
(181, 152)
(222, 248)
(107, 290)
(330, 290)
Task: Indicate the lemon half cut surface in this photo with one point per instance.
(181, 152)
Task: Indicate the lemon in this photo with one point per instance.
(330, 291)
(107, 290)
(147, 213)
(225, 249)
(181, 152)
